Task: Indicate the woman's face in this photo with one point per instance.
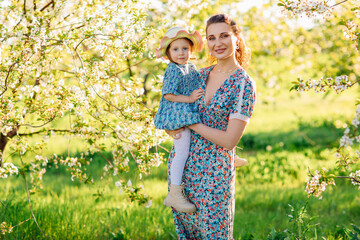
(180, 51)
(221, 40)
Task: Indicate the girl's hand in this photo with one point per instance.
(175, 134)
(195, 95)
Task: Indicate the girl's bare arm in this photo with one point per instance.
(195, 95)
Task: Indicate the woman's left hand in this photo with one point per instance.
(175, 134)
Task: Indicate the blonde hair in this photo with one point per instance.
(242, 52)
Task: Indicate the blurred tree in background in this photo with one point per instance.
(337, 72)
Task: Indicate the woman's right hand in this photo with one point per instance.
(175, 134)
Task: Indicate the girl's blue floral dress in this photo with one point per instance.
(178, 79)
(209, 174)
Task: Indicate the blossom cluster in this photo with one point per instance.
(37, 170)
(339, 84)
(75, 165)
(8, 169)
(345, 159)
(351, 133)
(310, 8)
(318, 182)
(5, 228)
(134, 192)
(351, 32)
(355, 178)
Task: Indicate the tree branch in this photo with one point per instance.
(102, 155)
(67, 26)
(354, 179)
(82, 64)
(6, 79)
(135, 64)
(47, 5)
(131, 74)
(44, 130)
(3, 204)
(93, 35)
(33, 126)
(163, 148)
(339, 3)
(29, 202)
(21, 222)
(16, 127)
(63, 70)
(98, 119)
(24, 7)
(354, 83)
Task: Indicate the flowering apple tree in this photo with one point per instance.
(62, 72)
(347, 157)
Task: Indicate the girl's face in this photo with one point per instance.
(180, 51)
(221, 40)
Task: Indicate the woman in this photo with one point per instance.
(225, 109)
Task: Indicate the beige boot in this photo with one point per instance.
(177, 200)
(239, 162)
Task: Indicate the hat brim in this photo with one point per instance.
(194, 37)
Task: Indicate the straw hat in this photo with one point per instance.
(176, 33)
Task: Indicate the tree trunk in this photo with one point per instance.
(3, 142)
(144, 87)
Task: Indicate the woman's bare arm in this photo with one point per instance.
(227, 139)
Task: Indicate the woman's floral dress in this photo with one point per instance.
(209, 174)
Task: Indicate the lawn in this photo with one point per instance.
(284, 139)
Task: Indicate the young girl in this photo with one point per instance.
(176, 110)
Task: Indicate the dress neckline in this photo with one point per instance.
(221, 86)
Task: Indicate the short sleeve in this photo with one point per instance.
(172, 77)
(245, 102)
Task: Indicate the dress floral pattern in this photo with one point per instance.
(209, 174)
(178, 79)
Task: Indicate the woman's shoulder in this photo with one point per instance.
(244, 77)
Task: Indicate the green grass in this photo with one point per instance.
(282, 142)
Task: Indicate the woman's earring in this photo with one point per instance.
(210, 53)
(237, 47)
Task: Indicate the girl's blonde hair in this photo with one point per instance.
(242, 52)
